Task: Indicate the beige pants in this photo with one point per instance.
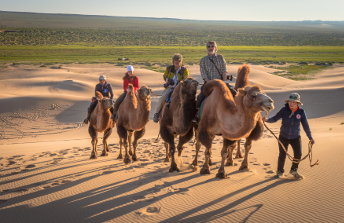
(162, 99)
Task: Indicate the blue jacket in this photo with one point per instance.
(105, 89)
(290, 128)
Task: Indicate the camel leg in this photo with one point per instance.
(238, 154)
(206, 140)
(137, 136)
(224, 152)
(231, 148)
(129, 141)
(122, 133)
(244, 163)
(198, 146)
(94, 136)
(184, 139)
(167, 159)
(120, 155)
(169, 138)
(107, 134)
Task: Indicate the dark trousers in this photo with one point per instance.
(118, 102)
(201, 96)
(295, 145)
(93, 105)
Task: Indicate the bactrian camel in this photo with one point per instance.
(233, 118)
(133, 115)
(100, 122)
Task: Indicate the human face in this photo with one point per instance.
(177, 63)
(211, 49)
(130, 73)
(102, 82)
(292, 105)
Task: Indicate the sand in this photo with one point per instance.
(46, 174)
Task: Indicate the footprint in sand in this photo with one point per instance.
(21, 190)
(266, 164)
(270, 172)
(150, 211)
(46, 186)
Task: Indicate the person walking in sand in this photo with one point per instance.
(129, 78)
(172, 76)
(212, 66)
(292, 116)
(105, 89)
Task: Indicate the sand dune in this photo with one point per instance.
(47, 176)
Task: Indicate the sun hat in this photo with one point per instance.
(130, 68)
(102, 77)
(294, 97)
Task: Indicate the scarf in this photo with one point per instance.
(292, 111)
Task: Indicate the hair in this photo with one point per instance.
(126, 75)
(213, 43)
(178, 57)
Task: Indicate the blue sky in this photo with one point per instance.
(243, 10)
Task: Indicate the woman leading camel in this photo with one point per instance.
(292, 116)
(129, 78)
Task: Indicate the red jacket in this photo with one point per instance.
(134, 82)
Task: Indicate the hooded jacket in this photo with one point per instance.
(290, 128)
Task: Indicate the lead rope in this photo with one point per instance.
(309, 154)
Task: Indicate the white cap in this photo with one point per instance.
(102, 77)
(130, 68)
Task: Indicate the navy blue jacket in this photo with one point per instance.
(105, 90)
(290, 128)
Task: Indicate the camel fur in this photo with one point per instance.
(100, 122)
(177, 119)
(232, 117)
(133, 115)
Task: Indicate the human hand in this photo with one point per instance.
(312, 141)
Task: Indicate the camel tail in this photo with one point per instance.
(242, 77)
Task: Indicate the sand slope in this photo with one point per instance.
(47, 176)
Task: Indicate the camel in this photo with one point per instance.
(233, 118)
(100, 122)
(133, 115)
(176, 119)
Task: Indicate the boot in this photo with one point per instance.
(156, 117)
(196, 118)
(88, 116)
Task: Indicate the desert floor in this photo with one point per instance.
(47, 174)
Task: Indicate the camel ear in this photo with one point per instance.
(242, 91)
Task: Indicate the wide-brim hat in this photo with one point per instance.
(294, 97)
(102, 77)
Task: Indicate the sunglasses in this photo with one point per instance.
(101, 80)
(210, 46)
(293, 97)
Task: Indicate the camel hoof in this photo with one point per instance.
(221, 176)
(104, 154)
(167, 159)
(174, 167)
(237, 157)
(205, 171)
(108, 150)
(246, 168)
(130, 152)
(127, 159)
(194, 163)
(120, 156)
(229, 163)
(135, 158)
(93, 156)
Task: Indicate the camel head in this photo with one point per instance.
(106, 103)
(189, 88)
(144, 93)
(254, 98)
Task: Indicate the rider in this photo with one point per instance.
(292, 116)
(212, 66)
(105, 89)
(172, 76)
(129, 78)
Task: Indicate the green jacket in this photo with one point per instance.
(171, 70)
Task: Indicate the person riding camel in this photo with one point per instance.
(212, 66)
(172, 76)
(129, 78)
(105, 89)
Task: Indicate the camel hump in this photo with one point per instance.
(242, 76)
(211, 85)
(99, 95)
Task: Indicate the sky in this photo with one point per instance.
(240, 10)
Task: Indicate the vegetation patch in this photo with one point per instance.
(299, 72)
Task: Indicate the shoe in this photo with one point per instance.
(156, 117)
(88, 116)
(196, 118)
(296, 174)
(279, 175)
(86, 121)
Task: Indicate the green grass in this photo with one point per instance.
(150, 55)
(299, 72)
